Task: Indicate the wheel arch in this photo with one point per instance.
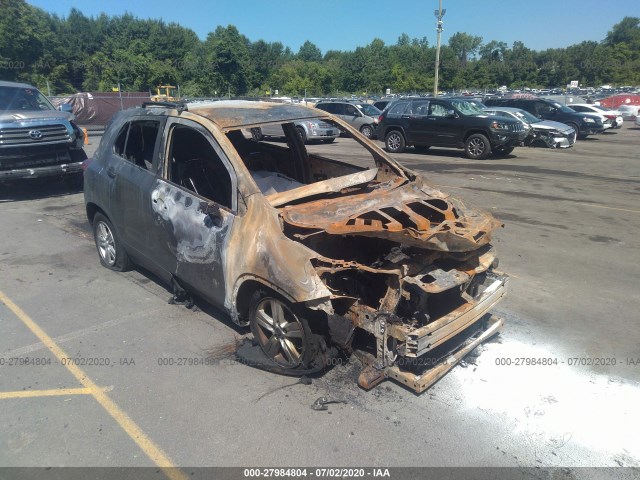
(473, 131)
(92, 209)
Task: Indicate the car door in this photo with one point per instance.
(194, 203)
(352, 116)
(417, 122)
(132, 171)
(443, 129)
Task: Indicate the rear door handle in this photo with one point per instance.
(111, 172)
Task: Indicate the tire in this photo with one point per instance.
(477, 147)
(367, 131)
(283, 335)
(394, 142)
(422, 148)
(303, 135)
(110, 250)
(502, 151)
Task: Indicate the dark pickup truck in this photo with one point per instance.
(441, 122)
(36, 140)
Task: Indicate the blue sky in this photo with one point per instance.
(347, 24)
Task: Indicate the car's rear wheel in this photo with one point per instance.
(477, 147)
(110, 250)
(367, 131)
(394, 142)
(283, 336)
(502, 151)
(303, 135)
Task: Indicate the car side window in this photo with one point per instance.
(420, 107)
(351, 111)
(136, 142)
(437, 110)
(398, 109)
(195, 165)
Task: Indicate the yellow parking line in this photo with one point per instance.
(45, 393)
(128, 425)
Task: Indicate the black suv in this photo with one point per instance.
(549, 110)
(426, 122)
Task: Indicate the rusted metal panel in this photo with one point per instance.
(444, 225)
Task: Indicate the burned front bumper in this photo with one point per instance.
(422, 361)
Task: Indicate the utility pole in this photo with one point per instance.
(120, 95)
(48, 89)
(439, 14)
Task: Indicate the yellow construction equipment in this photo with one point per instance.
(166, 93)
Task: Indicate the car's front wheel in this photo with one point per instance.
(477, 147)
(110, 250)
(367, 131)
(302, 133)
(283, 336)
(394, 142)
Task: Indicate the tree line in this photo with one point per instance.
(80, 53)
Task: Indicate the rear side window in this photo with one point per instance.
(136, 142)
(420, 107)
(398, 109)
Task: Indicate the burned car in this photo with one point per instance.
(541, 133)
(317, 249)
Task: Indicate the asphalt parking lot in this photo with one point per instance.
(97, 369)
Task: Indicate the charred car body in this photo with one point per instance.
(36, 140)
(309, 251)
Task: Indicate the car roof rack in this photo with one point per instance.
(181, 107)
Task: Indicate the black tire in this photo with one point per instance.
(303, 135)
(422, 148)
(394, 142)
(502, 151)
(329, 140)
(283, 335)
(367, 131)
(110, 250)
(477, 147)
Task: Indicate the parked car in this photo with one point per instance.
(606, 120)
(612, 119)
(309, 131)
(36, 140)
(629, 112)
(351, 113)
(308, 251)
(540, 132)
(583, 124)
(383, 103)
(442, 122)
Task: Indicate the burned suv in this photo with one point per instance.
(442, 122)
(36, 140)
(319, 249)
